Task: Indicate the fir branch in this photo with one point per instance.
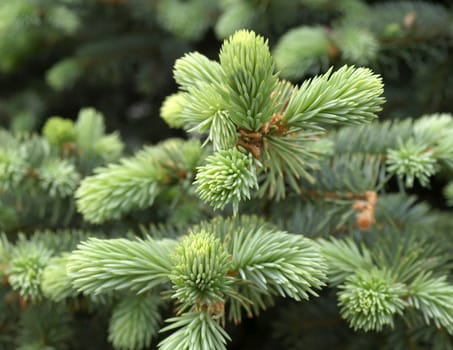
(252, 301)
(222, 132)
(172, 108)
(201, 79)
(348, 173)
(201, 103)
(347, 96)
(194, 69)
(412, 161)
(200, 267)
(63, 240)
(357, 45)
(297, 154)
(27, 264)
(197, 331)
(313, 217)
(431, 130)
(249, 78)
(370, 299)
(435, 130)
(99, 266)
(59, 131)
(237, 15)
(374, 138)
(266, 263)
(64, 74)
(344, 258)
(55, 283)
(164, 230)
(109, 147)
(406, 213)
(143, 177)
(411, 149)
(410, 253)
(103, 196)
(432, 296)
(58, 178)
(302, 51)
(13, 168)
(265, 117)
(278, 262)
(228, 176)
(223, 226)
(89, 128)
(134, 322)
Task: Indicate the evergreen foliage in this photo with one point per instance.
(40, 174)
(289, 203)
(135, 320)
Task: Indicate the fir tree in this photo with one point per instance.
(296, 205)
(284, 198)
